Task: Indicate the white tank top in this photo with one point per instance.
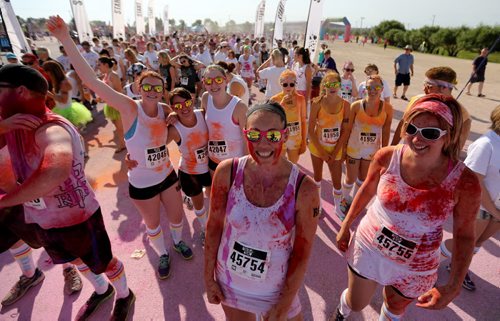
(148, 147)
(225, 138)
(74, 93)
(128, 90)
(263, 237)
(238, 79)
(193, 146)
(301, 76)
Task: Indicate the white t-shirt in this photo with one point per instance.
(64, 61)
(220, 56)
(483, 157)
(272, 75)
(151, 57)
(386, 92)
(91, 58)
(205, 58)
(247, 70)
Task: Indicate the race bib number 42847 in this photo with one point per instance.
(248, 262)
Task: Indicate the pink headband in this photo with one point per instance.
(435, 107)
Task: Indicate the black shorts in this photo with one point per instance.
(192, 184)
(212, 165)
(13, 228)
(150, 192)
(477, 78)
(402, 79)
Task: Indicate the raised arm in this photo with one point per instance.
(306, 220)
(122, 103)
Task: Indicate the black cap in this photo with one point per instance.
(19, 75)
(271, 106)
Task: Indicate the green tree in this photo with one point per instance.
(477, 38)
(425, 33)
(396, 37)
(182, 24)
(447, 39)
(197, 23)
(382, 28)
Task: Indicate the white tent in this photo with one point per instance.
(13, 29)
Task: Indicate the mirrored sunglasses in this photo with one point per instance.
(332, 84)
(429, 133)
(273, 136)
(186, 103)
(375, 87)
(218, 80)
(149, 87)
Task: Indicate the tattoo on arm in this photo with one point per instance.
(316, 211)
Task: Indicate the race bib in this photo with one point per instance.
(184, 81)
(367, 138)
(218, 148)
(330, 135)
(248, 262)
(201, 155)
(37, 204)
(497, 201)
(394, 246)
(156, 156)
(293, 128)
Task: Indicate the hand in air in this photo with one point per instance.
(57, 27)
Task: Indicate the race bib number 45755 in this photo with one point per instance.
(395, 246)
(248, 262)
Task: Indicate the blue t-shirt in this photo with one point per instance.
(404, 62)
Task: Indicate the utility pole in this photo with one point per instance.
(361, 25)
(433, 19)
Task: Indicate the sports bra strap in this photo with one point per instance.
(300, 178)
(234, 169)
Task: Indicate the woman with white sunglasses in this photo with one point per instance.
(417, 187)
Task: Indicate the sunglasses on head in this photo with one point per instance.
(332, 84)
(285, 84)
(273, 136)
(349, 69)
(429, 133)
(218, 80)
(187, 103)
(374, 87)
(149, 87)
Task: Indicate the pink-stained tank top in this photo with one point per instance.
(70, 203)
(257, 241)
(405, 224)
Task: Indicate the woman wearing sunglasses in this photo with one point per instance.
(328, 134)
(225, 118)
(369, 129)
(417, 187)
(189, 68)
(153, 181)
(262, 222)
(349, 89)
(247, 68)
(296, 113)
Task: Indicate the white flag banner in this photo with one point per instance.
(259, 19)
(166, 30)
(139, 18)
(151, 18)
(81, 20)
(313, 26)
(278, 23)
(17, 40)
(118, 21)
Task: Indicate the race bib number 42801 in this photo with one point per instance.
(156, 156)
(218, 148)
(395, 246)
(248, 262)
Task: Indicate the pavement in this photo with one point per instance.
(182, 296)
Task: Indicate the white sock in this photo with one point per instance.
(318, 185)
(337, 197)
(386, 315)
(344, 308)
(476, 249)
(444, 250)
(24, 258)
(346, 190)
(116, 274)
(201, 215)
(98, 281)
(357, 186)
(176, 232)
(156, 238)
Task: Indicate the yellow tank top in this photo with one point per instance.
(328, 125)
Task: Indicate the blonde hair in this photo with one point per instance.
(288, 73)
(495, 119)
(328, 77)
(452, 145)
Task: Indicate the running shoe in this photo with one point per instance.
(22, 286)
(338, 316)
(123, 307)
(72, 281)
(164, 266)
(404, 97)
(468, 284)
(93, 303)
(202, 238)
(339, 213)
(345, 205)
(184, 250)
(481, 95)
(188, 202)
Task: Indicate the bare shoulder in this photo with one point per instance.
(308, 193)
(383, 156)
(241, 107)
(222, 174)
(52, 134)
(469, 184)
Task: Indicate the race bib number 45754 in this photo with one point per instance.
(248, 262)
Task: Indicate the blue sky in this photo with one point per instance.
(414, 14)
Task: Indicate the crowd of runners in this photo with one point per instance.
(238, 170)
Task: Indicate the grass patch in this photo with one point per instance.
(492, 57)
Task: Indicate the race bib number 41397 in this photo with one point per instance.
(248, 262)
